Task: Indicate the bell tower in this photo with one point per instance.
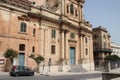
(73, 9)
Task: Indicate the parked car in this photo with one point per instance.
(20, 71)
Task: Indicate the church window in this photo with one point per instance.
(71, 9)
(53, 34)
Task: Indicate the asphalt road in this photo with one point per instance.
(66, 77)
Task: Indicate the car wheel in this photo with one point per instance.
(31, 74)
(11, 75)
(16, 74)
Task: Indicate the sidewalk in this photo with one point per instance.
(69, 73)
(77, 73)
(4, 73)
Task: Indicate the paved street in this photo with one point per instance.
(92, 76)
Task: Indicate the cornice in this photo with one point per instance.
(83, 29)
(12, 8)
(24, 17)
(40, 16)
(60, 21)
(22, 4)
(100, 28)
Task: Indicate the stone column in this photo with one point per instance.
(42, 41)
(65, 45)
(91, 53)
(79, 58)
(61, 49)
(82, 48)
(62, 43)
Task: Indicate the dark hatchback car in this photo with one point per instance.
(20, 71)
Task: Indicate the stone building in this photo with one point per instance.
(116, 48)
(55, 29)
(101, 43)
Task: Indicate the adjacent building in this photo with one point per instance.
(101, 43)
(55, 29)
(116, 48)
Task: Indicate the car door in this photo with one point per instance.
(26, 71)
(21, 70)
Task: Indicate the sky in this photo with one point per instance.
(105, 13)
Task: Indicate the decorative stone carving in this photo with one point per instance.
(52, 4)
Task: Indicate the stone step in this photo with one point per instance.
(77, 68)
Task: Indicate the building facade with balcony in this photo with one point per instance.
(54, 29)
(101, 43)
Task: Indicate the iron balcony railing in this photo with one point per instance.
(104, 50)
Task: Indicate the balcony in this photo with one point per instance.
(103, 50)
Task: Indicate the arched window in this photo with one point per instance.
(104, 37)
(71, 9)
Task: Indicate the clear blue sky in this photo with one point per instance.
(105, 13)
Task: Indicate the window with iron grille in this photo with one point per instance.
(53, 49)
(21, 47)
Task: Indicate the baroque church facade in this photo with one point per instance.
(54, 29)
